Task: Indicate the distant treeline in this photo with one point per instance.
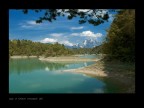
(28, 48)
(95, 50)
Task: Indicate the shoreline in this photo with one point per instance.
(88, 70)
(17, 57)
(68, 59)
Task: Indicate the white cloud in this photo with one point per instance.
(26, 26)
(56, 34)
(48, 40)
(87, 34)
(83, 10)
(77, 28)
(66, 42)
(75, 34)
(66, 14)
(31, 23)
(62, 38)
(90, 34)
(100, 12)
(51, 40)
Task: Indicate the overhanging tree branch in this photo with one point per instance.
(92, 16)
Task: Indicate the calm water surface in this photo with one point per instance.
(35, 76)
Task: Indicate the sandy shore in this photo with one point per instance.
(66, 59)
(16, 57)
(123, 72)
(89, 70)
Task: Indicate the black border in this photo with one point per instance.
(67, 4)
(48, 98)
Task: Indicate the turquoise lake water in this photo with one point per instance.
(35, 76)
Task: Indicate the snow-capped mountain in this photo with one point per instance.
(88, 43)
(77, 46)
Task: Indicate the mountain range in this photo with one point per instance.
(88, 43)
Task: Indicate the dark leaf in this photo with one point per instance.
(82, 21)
(106, 16)
(70, 17)
(46, 14)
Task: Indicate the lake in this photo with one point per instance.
(34, 76)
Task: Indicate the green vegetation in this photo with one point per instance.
(29, 48)
(81, 50)
(120, 41)
(96, 50)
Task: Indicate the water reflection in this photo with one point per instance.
(98, 56)
(47, 69)
(113, 85)
(85, 64)
(29, 65)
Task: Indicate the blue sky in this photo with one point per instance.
(68, 32)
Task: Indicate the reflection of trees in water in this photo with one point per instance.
(28, 65)
(113, 85)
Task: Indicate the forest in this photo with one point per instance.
(29, 48)
(120, 40)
